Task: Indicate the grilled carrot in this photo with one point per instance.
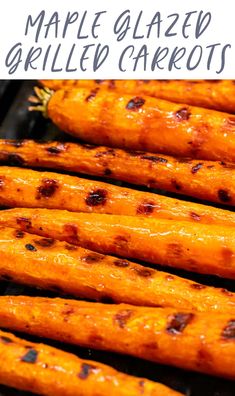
(212, 94)
(213, 181)
(48, 371)
(28, 188)
(50, 264)
(200, 248)
(141, 123)
(193, 341)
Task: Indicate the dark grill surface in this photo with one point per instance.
(17, 123)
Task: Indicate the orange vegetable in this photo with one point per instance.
(29, 188)
(195, 247)
(213, 181)
(141, 123)
(49, 371)
(193, 341)
(212, 94)
(64, 268)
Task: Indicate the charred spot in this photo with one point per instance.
(183, 114)
(19, 234)
(56, 149)
(93, 258)
(227, 255)
(210, 166)
(196, 168)
(175, 185)
(15, 160)
(24, 222)
(97, 197)
(47, 189)
(195, 216)
(71, 231)
(70, 247)
(175, 250)
(86, 370)
(6, 278)
(122, 317)
(141, 384)
(92, 95)
(99, 81)
(108, 151)
(146, 208)
(229, 331)
(227, 165)
(30, 247)
(154, 158)
(121, 241)
(107, 172)
(121, 263)
(197, 286)
(67, 312)
(226, 292)
(144, 272)
(44, 242)
(30, 356)
(5, 340)
(112, 84)
(178, 322)
(135, 103)
(224, 196)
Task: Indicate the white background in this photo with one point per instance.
(13, 17)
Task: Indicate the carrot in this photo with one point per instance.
(193, 341)
(49, 371)
(213, 181)
(195, 247)
(50, 264)
(212, 94)
(29, 188)
(141, 123)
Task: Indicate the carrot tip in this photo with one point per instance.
(41, 100)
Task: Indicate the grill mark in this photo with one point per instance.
(121, 263)
(30, 247)
(154, 158)
(92, 95)
(122, 317)
(146, 208)
(224, 196)
(195, 216)
(196, 168)
(19, 234)
(47, 188)
(93, 258)
(96, 197)
(30, 356)
(183, 114)
(86, 370)
(44, 242)
(178, 322)
(135, 104)
(229, 330)
(71, 231)
(24, 222)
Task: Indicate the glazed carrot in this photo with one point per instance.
(213, 181)
(48, 371)
(193, 341)
(212, 94)
(141, 123)
(28, 188)
(50, 264)
(195, 247)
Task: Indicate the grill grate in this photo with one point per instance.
(17, 123)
